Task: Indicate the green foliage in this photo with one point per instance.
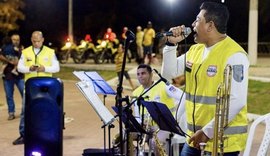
(10, 13)
(258, 97)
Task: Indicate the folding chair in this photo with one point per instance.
(266, 138)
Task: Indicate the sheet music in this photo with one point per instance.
(100, 85)
(89, 93)
(81, 75)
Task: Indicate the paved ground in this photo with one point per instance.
(83, 126)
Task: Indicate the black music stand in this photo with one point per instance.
(130, 119)
(163, 117)
(131, 124)
(100, 87)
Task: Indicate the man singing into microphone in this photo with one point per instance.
(203, 66)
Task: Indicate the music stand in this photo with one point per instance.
(131, 124)
(91, 84)
(163, 117)
(100, 85)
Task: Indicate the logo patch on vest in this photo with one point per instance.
(172, 89)
(212, 70)
(46, 59)
(157, 98)
(28, 59)
(238, 73)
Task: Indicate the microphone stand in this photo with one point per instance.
(130, 38)
(138, 99)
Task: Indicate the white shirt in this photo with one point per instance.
(173, 67)
(180, 98)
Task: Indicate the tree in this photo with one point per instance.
(10, 13)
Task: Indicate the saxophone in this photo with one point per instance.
(161, 151)
(116, 145)
(141, 147)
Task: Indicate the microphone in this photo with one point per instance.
(162, 78)
(186, 32)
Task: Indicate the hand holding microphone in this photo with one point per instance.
(176, 34)
(185, 32)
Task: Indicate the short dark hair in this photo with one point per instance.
(218, 13)
(148, 68)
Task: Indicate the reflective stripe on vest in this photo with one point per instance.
(209, 100)
(227, 131)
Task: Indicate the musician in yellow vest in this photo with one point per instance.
(203, 66)
(159, 93)
(36, 61)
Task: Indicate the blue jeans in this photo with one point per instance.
(21, 126)
(9, 89)
(190, 151)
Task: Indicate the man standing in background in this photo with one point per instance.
(10, 55)
(148, 42)
(36, 61)
(139, 40)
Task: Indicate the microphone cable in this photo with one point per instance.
(184, 89)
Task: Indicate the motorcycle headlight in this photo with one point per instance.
(103, 43)
(83, 44)
(68, 44)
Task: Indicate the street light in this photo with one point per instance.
(170, 1)
(70, 19)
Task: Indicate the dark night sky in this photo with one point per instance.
(94, 16)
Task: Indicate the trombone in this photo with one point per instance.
(221, 113)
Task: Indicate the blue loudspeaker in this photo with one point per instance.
(43, 117)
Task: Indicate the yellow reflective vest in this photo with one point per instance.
(44, 57)
(157, 93)
(202, 80)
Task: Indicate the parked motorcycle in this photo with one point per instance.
(106, 50)
(67, 51)
(87, 50)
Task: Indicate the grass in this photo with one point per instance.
(258, 92)
(258, 97)
(66, 73)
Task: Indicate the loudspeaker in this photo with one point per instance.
(44, 119)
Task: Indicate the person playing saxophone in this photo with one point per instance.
(158, 93)
(203, 66)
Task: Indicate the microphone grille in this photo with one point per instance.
(187, 31)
